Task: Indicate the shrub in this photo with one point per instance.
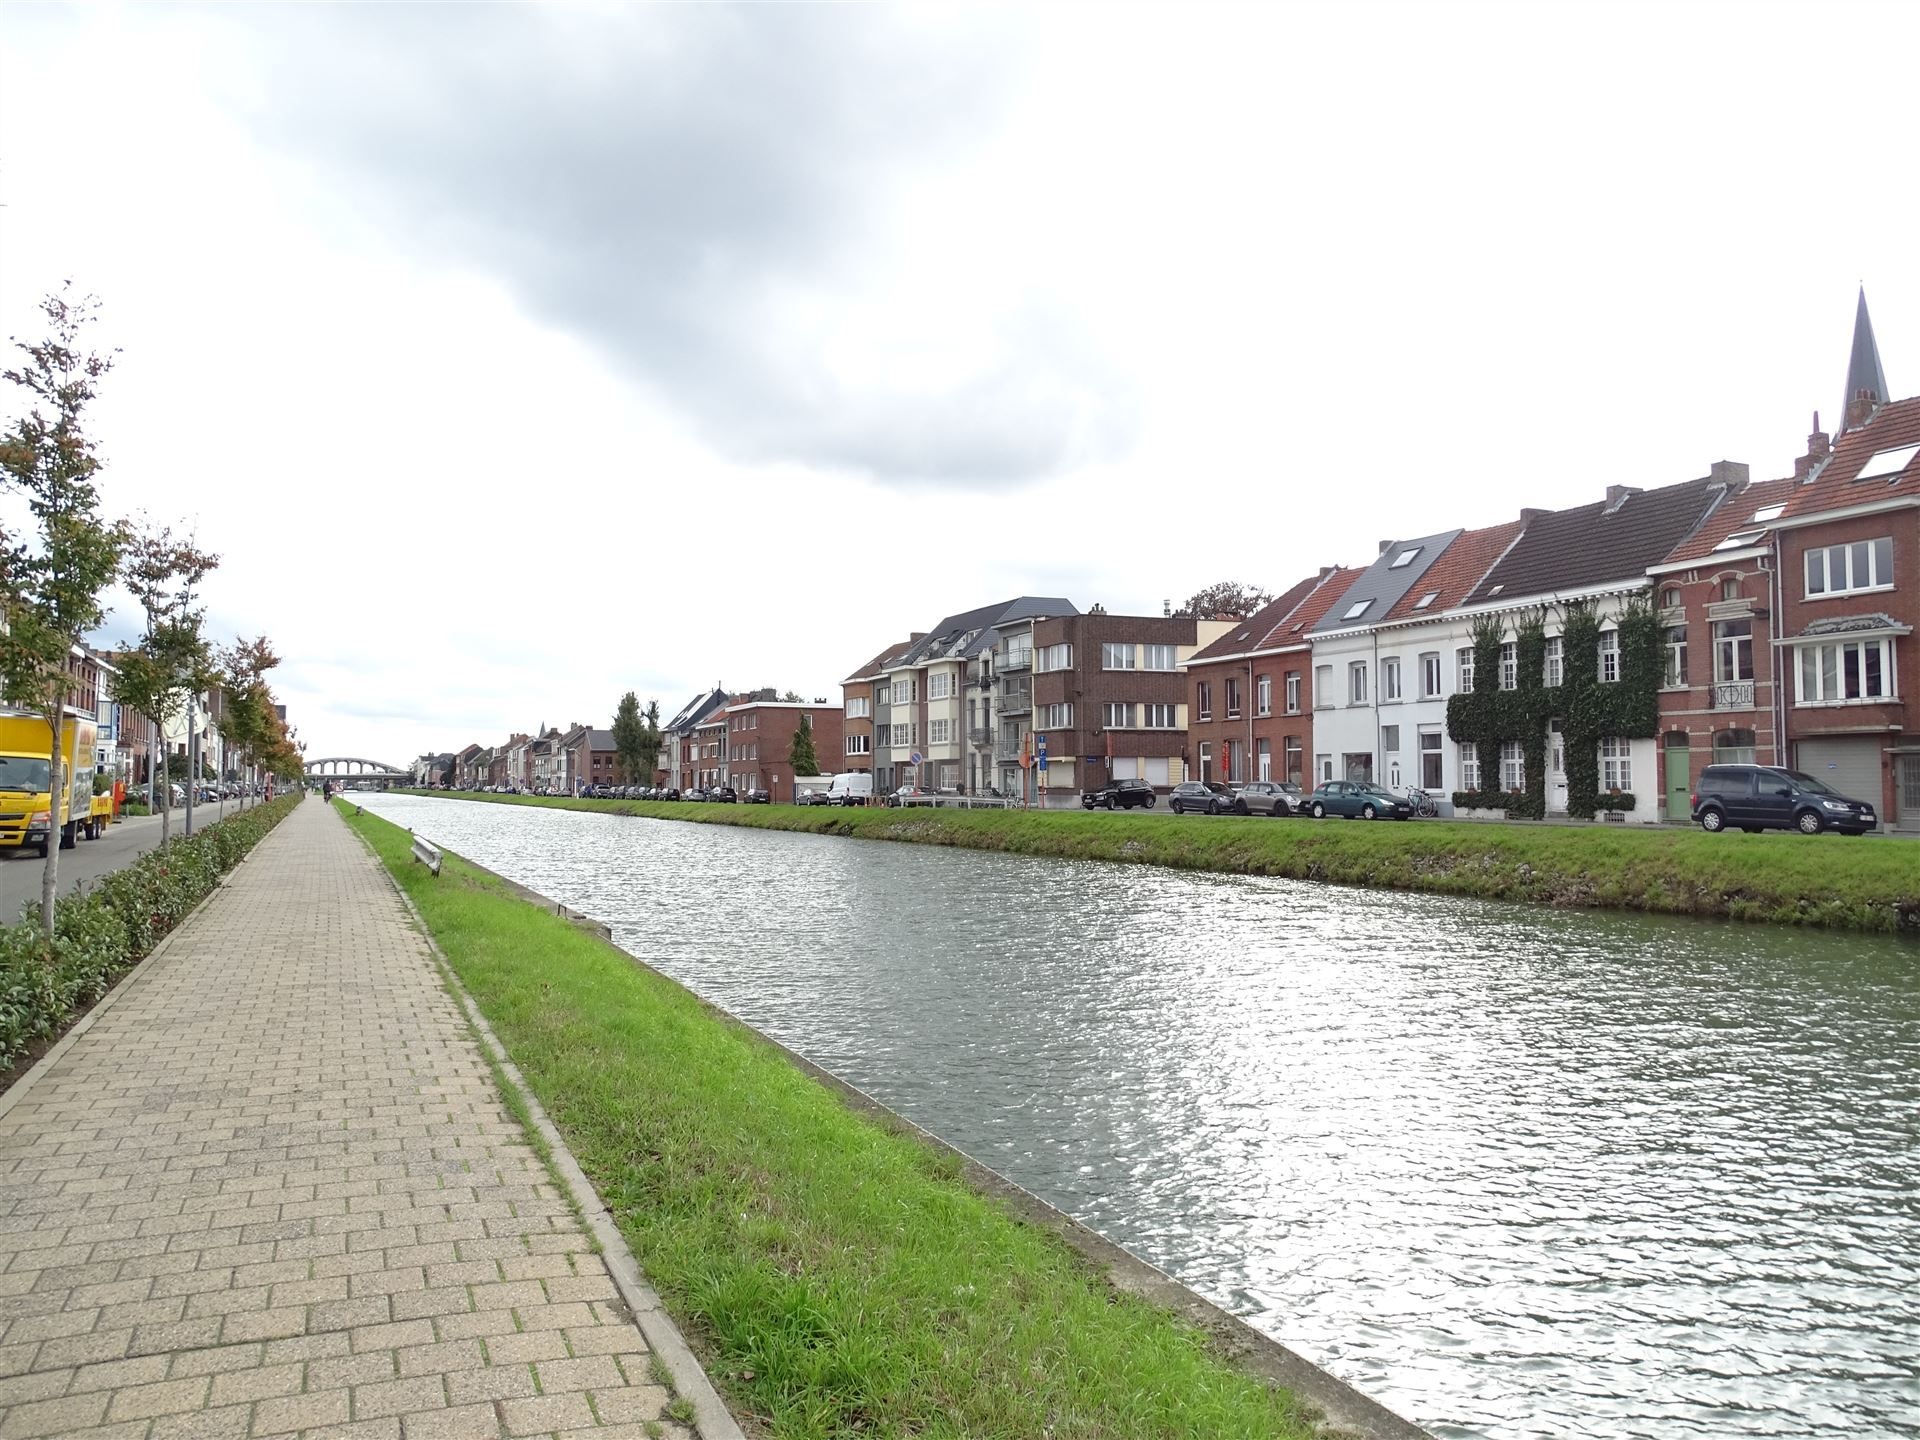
(99, 934)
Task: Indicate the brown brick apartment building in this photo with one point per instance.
(759, 739)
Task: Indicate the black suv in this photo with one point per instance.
(1765, 797)
(1120, 795)
(1209, 797)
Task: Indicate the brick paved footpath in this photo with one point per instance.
(273, 1191)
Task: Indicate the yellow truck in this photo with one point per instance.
(26, 808)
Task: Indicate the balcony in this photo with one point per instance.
(1007, 751)
(979, 735)
(1733, 695)
(1017, 660)
(1016, 702)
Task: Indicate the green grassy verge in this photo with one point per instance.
(1835, 881)
(837, 1278)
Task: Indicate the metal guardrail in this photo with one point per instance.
(427, 853)
(1733, 695)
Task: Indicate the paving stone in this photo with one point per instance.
(273, 1191)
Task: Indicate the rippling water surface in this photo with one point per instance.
(1513, 1172)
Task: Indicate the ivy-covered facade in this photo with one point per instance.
(1566, 690)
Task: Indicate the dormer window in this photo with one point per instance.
(1357, 609)
(1404, 558)
(1768, 512)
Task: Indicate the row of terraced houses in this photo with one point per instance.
(1719, 618)
(1781, 613)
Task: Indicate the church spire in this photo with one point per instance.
(1866, 382)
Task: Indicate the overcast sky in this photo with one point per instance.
(517, 357)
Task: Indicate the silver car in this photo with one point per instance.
(1267, 797)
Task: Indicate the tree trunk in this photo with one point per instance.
(56, 793)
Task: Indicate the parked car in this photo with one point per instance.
(1767, 797)
(1121, 795)
(666, 792)
(814, 797)
(695, 793)
(722, 795)
(908, 792)
(1268, 797)
(1209, 797)
(1358, 800)
(854, 787)
(757, 797)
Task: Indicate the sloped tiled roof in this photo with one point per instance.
(1461, 566)
(966, 634)
(1735, 517)
(1251, 633)
(872, 668)
(1385, 582)
(1834, 487)
(1605, 541)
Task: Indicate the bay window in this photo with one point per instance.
(1847, 670)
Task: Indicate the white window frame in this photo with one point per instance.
(1356, 682)
(1293, 692)
(1463, 669)
(1469, 765)
(1116, 656)
(1841, 648)
(1159, 717)
(1058, 716)
(1159, 657)
(940, 686)
(1431, 679)
(1674, 677)
(1390, 679)
(1824, 560)
(1202, 699)
(1323, 687)
(1609, 656)
(939, 732)
(1262, 695)
(1616, 763)
(1510, 665)
(1118, 715)
(1731, 650)
(859, 744)
(1054, 657)
(1556, 661)
(1513, 765)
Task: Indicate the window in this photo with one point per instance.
(1609, 655)
(1510, 665)
(1430, 675)
(1735, 747)
(1513, 765)
(1293, 693)
(1159, 717)
(1202, 700)
(1354, 611)
(1390, 679)
(1265, 771)
(1849, 670)
(1323, 687)
(1206, 759)
(1670, 598)
(1390, 739)
(1556, 660)
(1233, 697)
(1056, 717)
(1469, 766)
(1357, 683)
(1113, 657)
(902, 692)
(1404, 558)
(1427, 599)
(1019, 656)
(1430, 757)
(1159, 657)
(1463, 667)
(1262, 696)
(1676, 657)
(1732, 650)
(939, 732)
(856, 744)
(1889, 463)
(1290, 758)
(1055, 657)
(1616, 765)
(1117, 717)
(1862, 565)
(1730, 588)
(940, 687)
(858, 708)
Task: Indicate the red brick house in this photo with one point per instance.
(1250, 692)
(759, 740)
(1847, 598)
(1714, 594)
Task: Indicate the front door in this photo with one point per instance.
(1679, 783)
(1556, 769)
(1909, 775)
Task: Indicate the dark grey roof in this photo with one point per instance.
(965, 635)
(1863, 365)
(596, 740)
(1610, 540)
(696, 710)
(1381, 583)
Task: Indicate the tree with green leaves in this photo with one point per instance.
(246, 706)
(172, 657)
(650, 742)
(801, 755)
(629, 740)
(53, 577)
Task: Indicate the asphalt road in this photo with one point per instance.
(20, 868)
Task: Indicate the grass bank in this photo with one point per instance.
(1832, 881)
(837, 1279)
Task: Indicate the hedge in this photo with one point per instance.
(101, 933)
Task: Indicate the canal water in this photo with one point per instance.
(1513, 1172)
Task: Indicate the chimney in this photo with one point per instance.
(1731, 474)
(1529, 514)
(1617, 496)
(1819, 446)
(912, 637)
(1860, 409)
(1385, 545)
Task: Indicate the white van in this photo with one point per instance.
(853, 788)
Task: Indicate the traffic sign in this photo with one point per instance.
(914, 758)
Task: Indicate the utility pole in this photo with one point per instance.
(193, 757)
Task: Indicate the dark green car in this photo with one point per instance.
(1357, 800)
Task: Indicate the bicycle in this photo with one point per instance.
(1424, 805)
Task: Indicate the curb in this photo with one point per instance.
(712, 1419)
(107, 1001)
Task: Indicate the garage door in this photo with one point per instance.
(1851, 766)
(1118, 767)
